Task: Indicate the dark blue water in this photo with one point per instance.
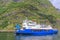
(48, 37)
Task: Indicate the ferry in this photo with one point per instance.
(32, 28)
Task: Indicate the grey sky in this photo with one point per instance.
(56, 3)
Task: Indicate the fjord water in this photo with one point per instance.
(12, 36)
(50, 37)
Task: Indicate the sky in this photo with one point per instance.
(56, 3)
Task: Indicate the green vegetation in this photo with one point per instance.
(37, 10)
(4, 24)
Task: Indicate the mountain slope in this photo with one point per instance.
(40, 11)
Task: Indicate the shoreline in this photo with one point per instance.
(12, 30)
(7, 30)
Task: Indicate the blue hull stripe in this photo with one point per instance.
(36, 32)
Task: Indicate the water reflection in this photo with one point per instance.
(35, 37)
